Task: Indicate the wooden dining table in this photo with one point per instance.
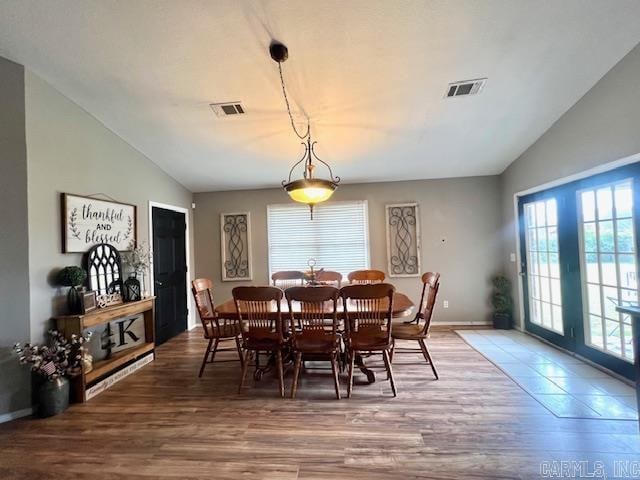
(402, 307)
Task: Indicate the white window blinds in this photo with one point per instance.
(337, 237)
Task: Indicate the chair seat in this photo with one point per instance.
(228, 330)
(369, 338)
(315, 342)
(408, 331)
(263, 339)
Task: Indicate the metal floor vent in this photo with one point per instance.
(227, 109)
(465, 87)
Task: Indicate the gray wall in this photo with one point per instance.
(14, 260)
(70, 151)
(465, 211)
(604, 126)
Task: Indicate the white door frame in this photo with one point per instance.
(190, 320)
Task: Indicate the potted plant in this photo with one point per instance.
(52, 364)
(138, 259)
(502, 302)
(72, 277)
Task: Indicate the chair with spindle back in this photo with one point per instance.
(261, 324)
(311, 335)
(329, 277)
(287, 278)
(368, 311)
(366, 276)
(216, 329)
(418, 328)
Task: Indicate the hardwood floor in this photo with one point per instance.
(164, 422)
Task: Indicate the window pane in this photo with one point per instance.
(625, 236)
(605, 236)
(588, 201)
(605, 203)
(543, 258)
(530, 215)
(608, 266)
(542, 239)
(552, 239)
(540, 214)
(589, 238)
(593, 275)
(610, 298)
(556, 293)
(593, 294)
(612, 330)
(545, 288)
(629, 297)
(554, 265)
(552, 212)
(595, 330)
(624, 200)
(628, 341)
(627, 265)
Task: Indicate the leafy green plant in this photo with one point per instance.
(501, 296)
(71, 276)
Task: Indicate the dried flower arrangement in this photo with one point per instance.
(61, 357)
(138, 259)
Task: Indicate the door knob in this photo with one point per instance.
(158, 283)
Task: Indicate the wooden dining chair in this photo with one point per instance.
(418, 328)
(287, 278)
(261, 325)
(329, 277)
(366, 276)
(368, 313)
(312, 336)
(216, 329)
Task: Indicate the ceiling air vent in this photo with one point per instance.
(466, 87)
(227, 109)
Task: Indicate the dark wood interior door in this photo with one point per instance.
(169, 273)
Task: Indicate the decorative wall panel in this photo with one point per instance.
(403, 240)
(235, 241)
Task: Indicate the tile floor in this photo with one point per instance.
(565, 385)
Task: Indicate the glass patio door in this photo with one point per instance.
(608, 266)
(579, 245)
(543, 272)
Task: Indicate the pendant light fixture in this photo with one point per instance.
(308, 189)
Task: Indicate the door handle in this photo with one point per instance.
(158, 283)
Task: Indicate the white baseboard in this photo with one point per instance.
(473, 323)
(7, 417)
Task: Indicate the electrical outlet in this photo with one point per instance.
(446, 304)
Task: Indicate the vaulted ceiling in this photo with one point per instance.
(371, 75)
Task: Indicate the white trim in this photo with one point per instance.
(223, 251)
(7, 417)
(190, 318)
(554, 183)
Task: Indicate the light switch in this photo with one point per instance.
(512, 257)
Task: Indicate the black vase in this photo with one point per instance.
(74, 300)
(131, 291)
(53, 397)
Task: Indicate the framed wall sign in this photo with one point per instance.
(235, 246)
(403, 240)
(88, 221)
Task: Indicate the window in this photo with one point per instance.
(337, 237)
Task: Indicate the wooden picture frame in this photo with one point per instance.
(403, 239)
(88, 221)
(235, 246)
(89, 302)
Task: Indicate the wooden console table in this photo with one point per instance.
(634, 312)
(76, 324)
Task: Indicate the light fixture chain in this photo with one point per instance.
(286, 101)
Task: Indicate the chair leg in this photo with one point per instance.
(214, 350)
(239, 348)
(206, 357)
(428, 358)
(334, 368)
(245, 367)
(280, 372)
(296, 374)
(387, 363)
(352, 359)
(393, 349)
